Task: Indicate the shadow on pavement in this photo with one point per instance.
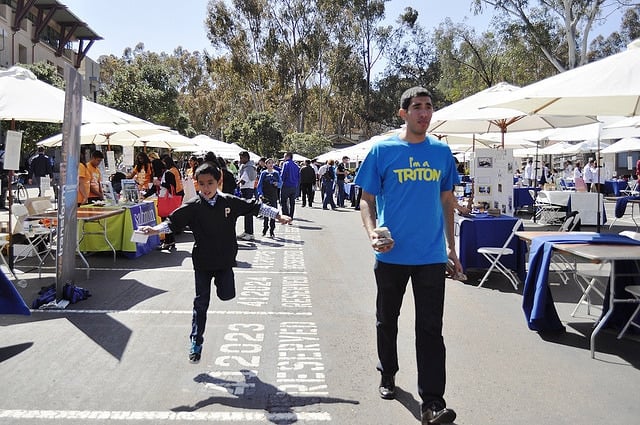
(13, 350)
(252, 393)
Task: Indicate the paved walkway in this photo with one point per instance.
(297, 345)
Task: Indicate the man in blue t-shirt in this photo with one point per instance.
(407, 182)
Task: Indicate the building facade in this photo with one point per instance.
(33, 31)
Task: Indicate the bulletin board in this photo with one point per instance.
(493, 178)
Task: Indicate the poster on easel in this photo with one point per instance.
(493, 179)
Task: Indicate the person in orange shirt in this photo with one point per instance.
(142, 171)
(171, 166)
(95, 177)
(84, 181)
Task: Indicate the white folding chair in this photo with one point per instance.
(34, 237)
(632, 189)
(494, 254)
(545, 211)
(589, 277)
(634, 290)
(559, 263)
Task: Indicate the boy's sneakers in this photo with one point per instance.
(195, 352)
(246, 237)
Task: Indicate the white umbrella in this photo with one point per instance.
(470, 115)
(555, 149)
(159, 139)
(628, 144)
(627, 127)
(592, 145)
(25, 98)
(610, 86)
(299, 158)
(526, 152)
(110, 134)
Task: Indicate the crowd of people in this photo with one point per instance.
(590, 175)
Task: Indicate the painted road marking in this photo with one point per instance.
(116, 415)
(189, 312)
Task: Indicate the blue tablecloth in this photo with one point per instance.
(10, 300)
(537, 300)
(484, 230)
(522, 197)
(614, 187)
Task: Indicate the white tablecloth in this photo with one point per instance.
(557, 197)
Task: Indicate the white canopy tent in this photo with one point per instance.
(628, 144)
(470, 115)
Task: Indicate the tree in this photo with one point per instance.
(310, 145)
(142, 84)
(602, 47)
(258, 132)
(560, 29)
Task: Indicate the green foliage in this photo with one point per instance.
(259, 132)
(310, 145)
(143, 84)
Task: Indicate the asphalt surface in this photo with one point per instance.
(297, 344)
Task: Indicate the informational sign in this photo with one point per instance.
(107, 191)
(12, 150)
(111, 163)
(493, 179)
(129, 191)
(127, 157)
(45, 184)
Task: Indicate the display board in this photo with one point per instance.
(493, 171)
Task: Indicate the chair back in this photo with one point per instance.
(516, 227)
(20, 213)
(543, 198)
(571, 223)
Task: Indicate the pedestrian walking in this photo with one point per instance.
(211, 216)
(269, 184)
(40, 167)
(407, 203)
(290, 182)
(246, 183)
(307, 183)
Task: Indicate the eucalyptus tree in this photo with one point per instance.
(196, 95)
(602, 46)
(560, 29)
(141, 83)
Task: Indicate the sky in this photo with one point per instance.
(163, 25)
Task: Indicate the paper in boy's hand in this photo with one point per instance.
(139, 237)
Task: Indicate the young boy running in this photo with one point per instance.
(211, 216)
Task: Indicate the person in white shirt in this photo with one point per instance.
(590, 175)
(528, 173)
(567, 172)
(577, 171)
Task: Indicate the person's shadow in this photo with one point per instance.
(252, 393)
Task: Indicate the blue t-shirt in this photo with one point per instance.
(407, 180)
